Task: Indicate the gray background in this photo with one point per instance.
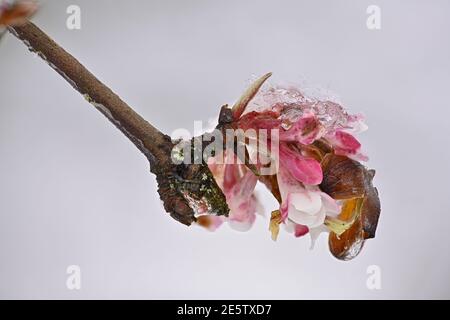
(73, 190)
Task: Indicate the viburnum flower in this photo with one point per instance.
(319, 183)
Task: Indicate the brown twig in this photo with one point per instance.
(174, 181)
(146, 137)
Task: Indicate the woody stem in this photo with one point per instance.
(145, 137)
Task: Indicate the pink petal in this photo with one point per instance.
(238, 184)
(347, 141)
(247, 184)
(284, 210)
(287, 183)
(300, 230)
(304, 169)
(259, 120)
(230, 176)
(243, 214)
(346, 144)
(305, 130)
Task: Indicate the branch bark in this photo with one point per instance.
(147, 138)
(177, 184)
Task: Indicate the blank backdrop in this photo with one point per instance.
(74, 191)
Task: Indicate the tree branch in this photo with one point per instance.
(178, 184)
(146, 137)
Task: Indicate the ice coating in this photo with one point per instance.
(292, 104)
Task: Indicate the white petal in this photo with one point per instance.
(287, 183)
(331, 206)
(240, 226)
(289, 226)
(315, 233)
(307, 202)
(307, 219)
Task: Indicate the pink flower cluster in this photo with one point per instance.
(302, 122)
